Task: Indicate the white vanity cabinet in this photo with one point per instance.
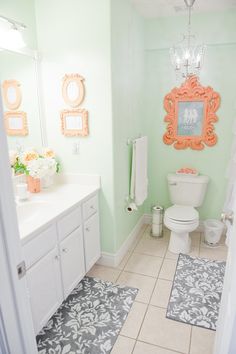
(44, 286)
(72, 260)
(58, 257)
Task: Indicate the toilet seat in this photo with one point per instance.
(182, 214)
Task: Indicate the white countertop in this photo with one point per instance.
(42, 208)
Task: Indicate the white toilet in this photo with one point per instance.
(186, 193)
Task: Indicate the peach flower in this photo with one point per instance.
(48, 153)
(28, 156)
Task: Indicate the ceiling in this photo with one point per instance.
(159, 8)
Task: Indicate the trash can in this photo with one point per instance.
(212, 231)
(157, 221)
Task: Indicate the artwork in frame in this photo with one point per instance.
(191, 114)
(74, 122)
(16, 123)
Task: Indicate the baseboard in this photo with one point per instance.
(114, 259)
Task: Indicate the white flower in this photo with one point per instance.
(13, 156)
(50, 165)
(37, 168)
(28, 156)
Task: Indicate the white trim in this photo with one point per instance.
(114, 259)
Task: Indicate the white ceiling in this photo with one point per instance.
(158, 8)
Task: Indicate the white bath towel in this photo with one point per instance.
(139, 179)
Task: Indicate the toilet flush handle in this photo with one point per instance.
(173, 183)
(227, 217)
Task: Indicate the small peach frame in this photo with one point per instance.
(83, 131)
(78, 80)
(13, 131)
(191, 90)
(11, 84)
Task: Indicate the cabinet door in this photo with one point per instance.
(45, 288)
(92, 241)
(72, 260)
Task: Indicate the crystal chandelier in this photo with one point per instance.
(187, 56)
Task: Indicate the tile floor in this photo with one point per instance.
(149, 267)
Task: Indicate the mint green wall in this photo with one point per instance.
(74, 37)
(127, 60)
(218, 31)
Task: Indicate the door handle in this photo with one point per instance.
(227, 217)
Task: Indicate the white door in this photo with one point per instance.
(225, 342)
(16, 326)
(92, 241)
(72, 260)
(45, 288)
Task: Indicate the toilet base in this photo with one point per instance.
(179, 242)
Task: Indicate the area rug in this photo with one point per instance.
(89, 320)
(196, 291)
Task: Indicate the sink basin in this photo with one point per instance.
(29, 210)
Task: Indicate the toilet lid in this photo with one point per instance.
(182, 213)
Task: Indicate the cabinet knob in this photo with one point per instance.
(65, 250)
(87, 229)
(91, 206)
(57, 257)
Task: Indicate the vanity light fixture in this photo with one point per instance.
(12, 38)
(187, 56)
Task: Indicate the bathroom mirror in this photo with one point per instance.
(74, 122)
(73, 90)
(191, 114)
(20, 92)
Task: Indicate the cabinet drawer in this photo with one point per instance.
(38, 247)
(69, 223)
(90, 207)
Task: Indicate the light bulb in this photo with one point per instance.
(13, 39)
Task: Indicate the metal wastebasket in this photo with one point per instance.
(157, 221)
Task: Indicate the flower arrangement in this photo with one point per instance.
(34, 164)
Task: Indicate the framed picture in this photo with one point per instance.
(74, 122)
(16, 123)
(191, 114)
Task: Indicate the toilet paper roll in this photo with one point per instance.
(131, 208)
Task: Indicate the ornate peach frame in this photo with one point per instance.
(191, 90)
(16, 132)
(67, 79)
(75, 132)
(16, 85)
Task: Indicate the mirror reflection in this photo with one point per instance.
(20, 68)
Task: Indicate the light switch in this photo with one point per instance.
(75, 148)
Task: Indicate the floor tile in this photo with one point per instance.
(153, 247)
(144, 264)
(202, 341)
(213, 253)
(134, 320)
(161, 294)
(193, 253)
(160, 331)
(168, 269)
(142, 282)
(104, 273)
(123, 345)
(124, 261)
(195, 238)
(144, 348)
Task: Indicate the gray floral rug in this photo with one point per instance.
(196, 292)
(89, 320)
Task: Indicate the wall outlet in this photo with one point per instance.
(75, 148)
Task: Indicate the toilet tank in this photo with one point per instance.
(187, 190)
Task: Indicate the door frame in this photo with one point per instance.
(16, 325)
